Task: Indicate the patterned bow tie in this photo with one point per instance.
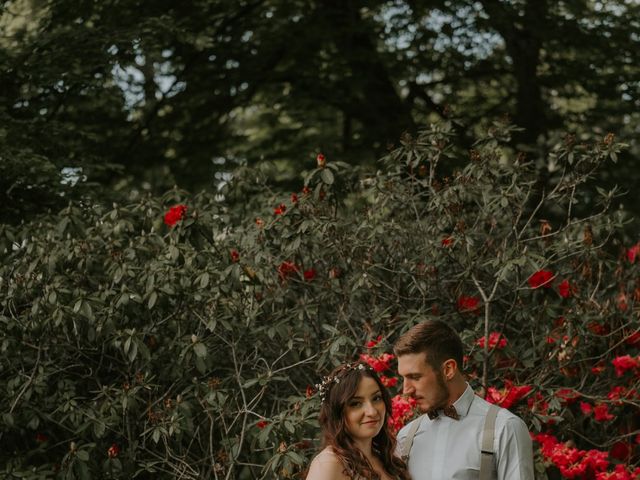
(449, 411)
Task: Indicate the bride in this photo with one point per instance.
(357, 442)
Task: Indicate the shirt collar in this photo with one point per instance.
(463, 404)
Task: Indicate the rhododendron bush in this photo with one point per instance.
(180, 337)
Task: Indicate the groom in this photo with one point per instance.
(459, 431)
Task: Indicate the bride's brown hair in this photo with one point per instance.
(336, 396)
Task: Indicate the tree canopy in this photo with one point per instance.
(155, 93)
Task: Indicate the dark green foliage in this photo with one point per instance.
(174, 343)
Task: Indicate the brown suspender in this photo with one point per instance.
(486, 450)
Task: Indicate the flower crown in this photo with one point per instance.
(324, 387)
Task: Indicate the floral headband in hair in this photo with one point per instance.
(327, 382)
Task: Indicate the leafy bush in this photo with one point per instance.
(185, 346)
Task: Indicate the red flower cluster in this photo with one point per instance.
(541, 278)
(373, 343)
(113, 450)
(625, 363)
(287, 269)
(235, 256)
(572, 462)
(261, 424)
(379, 364)
(388, 382)
(447, 241)
(309, 274)
(620, 450)
(175, 214)
(507, 396)
(600, 411)
(468, 304)
(537, 404)
(564, 289)
(632, 253)
(280, 209)
(619, 392)
(496, 340)
(294, 198)
(322, 161)
(401, 411)
(567, 396)
(620, 472)
(633, 339)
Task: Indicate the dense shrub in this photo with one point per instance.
(174, 338)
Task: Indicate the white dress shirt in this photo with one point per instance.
(448, 449)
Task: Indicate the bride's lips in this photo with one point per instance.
(372, 422)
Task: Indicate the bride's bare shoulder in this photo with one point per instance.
(326, 466)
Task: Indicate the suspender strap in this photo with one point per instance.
(408, 441)
(486, 452)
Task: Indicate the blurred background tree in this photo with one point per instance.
(129, 94)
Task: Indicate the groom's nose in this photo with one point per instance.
(407, 387)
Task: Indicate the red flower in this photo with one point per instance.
(598, 368)
(388, 381)
(309, 274)
(175, 214)
(294, 198)
(618, 393)
(261, 424)
(280, 209)
(496, 340)
(567, 395)
(309, 391)
(113, 450)
(379, 364)
(306, 190)
(235, 256)
(401, 411)
(601, 413)
(41, 438)
(625, 363)
(447, 241)
(509, 395)
(468, 304)
(564, 289)
(322, 161)
(633, 339)
(597, 328)
(287, 269)
(541, 278)
(586, 408)
(373, 343)
(538, 404)
(632, 253)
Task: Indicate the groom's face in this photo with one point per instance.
(422, 382)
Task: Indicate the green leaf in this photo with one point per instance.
(152, 300)
(200, 349)
(327, 176)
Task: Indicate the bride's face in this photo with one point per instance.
(365, 411)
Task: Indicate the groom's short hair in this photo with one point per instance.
(436, 339)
